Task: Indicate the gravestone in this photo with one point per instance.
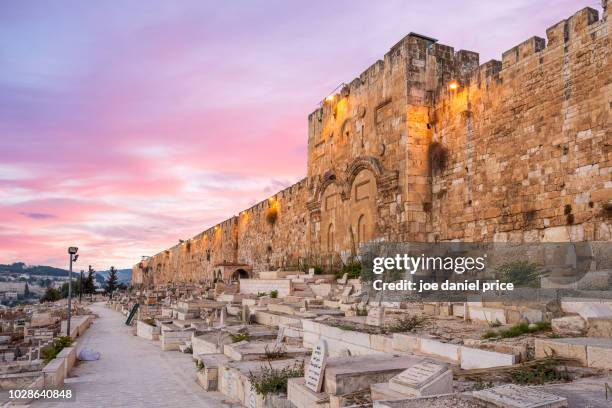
(423, 379)
(252, 399)
(343, 280)
(223, 316)
(311, 272)
(246, 314)
(347, 291)
(376, 316)
(316, 367)
(279, 337)
(515, 396)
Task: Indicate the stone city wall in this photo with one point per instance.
(519, 151)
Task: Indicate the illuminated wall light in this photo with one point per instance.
(330, 98)
(453, 85)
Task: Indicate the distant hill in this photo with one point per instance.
(124, 275)
(20, 267)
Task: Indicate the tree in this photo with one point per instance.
(51, 295)
(90, 286)
(111, 281)
(26, 291)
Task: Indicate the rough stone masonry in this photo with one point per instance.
(520, 151)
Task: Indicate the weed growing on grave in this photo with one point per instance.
(518, 330)
(199, 365)
(240, 337)
(352, 270)
(277, 353)
(272, 380)
(406, 324)
(189, 350)
(490, 334)
(58, 345)
(480, 385)
(262, 294)
(150, 321)
(361, 311)
(274, 294)
(318, 269)
(496, 323)
(542, 373)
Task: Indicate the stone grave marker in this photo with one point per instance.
(376, 316)
(347, 291)
(252, 399)
(515, 396)
(246, 314)
(311, 272)
(279, 337)
(423, 379)
(223, 316)
(316, 367)
(343, 279)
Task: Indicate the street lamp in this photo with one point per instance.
(72, 252)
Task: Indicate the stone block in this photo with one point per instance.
(405, 342)
(303, 397)
(600, 327)
(444, 351)
(569, 326)
(476, 358)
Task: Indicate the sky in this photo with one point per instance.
(128, 125)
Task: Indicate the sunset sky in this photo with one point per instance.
(126, 125)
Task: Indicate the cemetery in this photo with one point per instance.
(330, 342)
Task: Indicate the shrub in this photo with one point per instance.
(521, 274)
(274, 380)
(58, 345)
(352, 270)
(240, 337)
(274, 294)
(199, 365)
(262, 294)
(518, 330)
(542, 373)
(189, 350)
(150, 321)
(407, 324)
(276, 353)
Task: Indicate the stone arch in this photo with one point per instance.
(362, 206)
(364, 163)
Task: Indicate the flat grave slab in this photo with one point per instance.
(514, 396)
(422, 379)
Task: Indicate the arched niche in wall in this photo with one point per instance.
(362, 207)
(332, 216)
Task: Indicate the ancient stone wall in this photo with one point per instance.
(519, 151)
(529, 142)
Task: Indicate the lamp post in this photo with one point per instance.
(81, 288)
(73, 257)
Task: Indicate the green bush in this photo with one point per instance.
(518, 330)
(150, 321)
(274, 294)
(58, 345)
(352, 270)
(240, 337)
(274, 380)
(407, 324)
(521, 274)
